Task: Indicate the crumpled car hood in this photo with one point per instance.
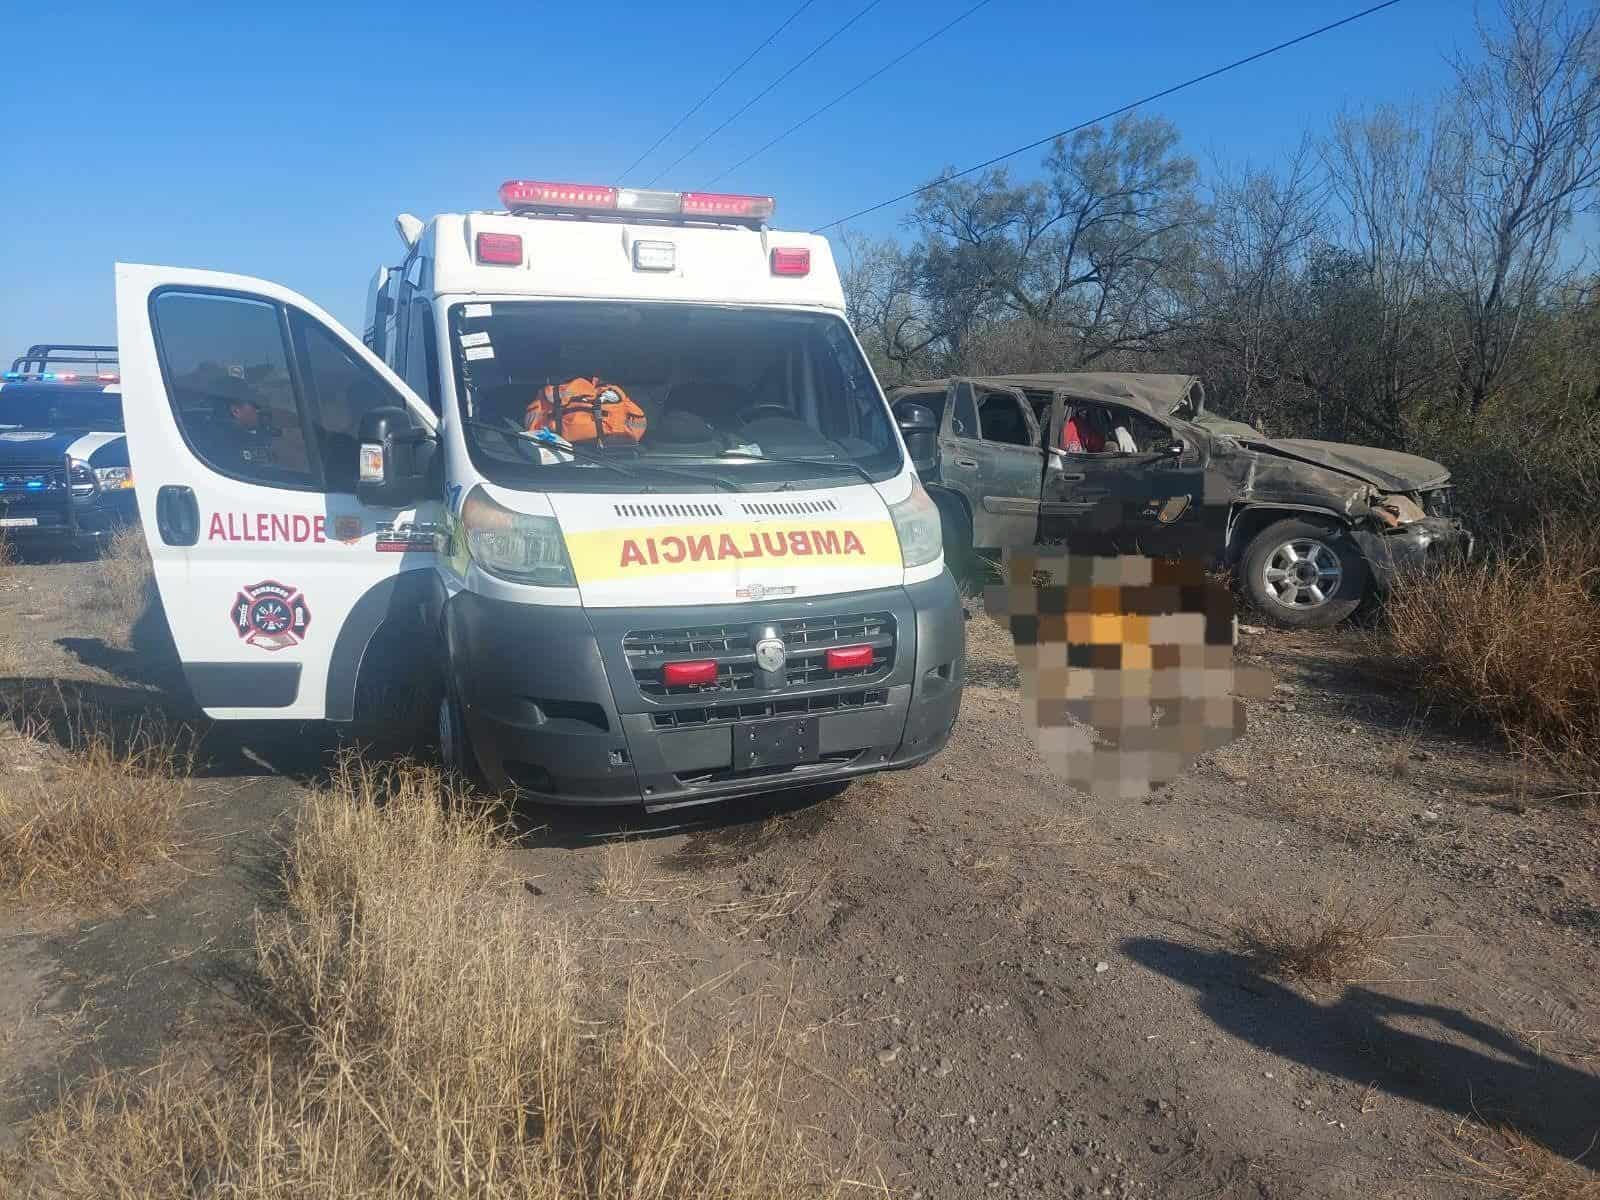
(1387, 469)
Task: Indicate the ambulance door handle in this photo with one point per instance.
(967, 462)
(177, 515)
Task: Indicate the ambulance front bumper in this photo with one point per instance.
(567, 706)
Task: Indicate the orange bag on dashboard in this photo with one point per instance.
(586, 410)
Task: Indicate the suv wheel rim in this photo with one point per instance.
(1302, 573)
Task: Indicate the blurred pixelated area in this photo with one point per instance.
(1126, 663)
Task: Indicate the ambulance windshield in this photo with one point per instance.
(564, 396)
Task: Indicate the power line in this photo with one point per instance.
(698, 104)
(845, 95)
(1115, 112)
(815, 50)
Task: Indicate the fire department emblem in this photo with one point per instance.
(271, 616)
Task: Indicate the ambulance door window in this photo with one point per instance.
(422, 355)
(342, 389)
(409, 280)
(226, 363)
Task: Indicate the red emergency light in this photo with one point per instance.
(519, 194)
(720, 204)
(502, 249)
(849, 658)
(530, 195)
(791, 260)
(699, 673)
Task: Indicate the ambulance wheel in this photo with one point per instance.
(956, 530)
(455, 747)
(393, 702)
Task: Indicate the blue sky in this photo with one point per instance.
(280, 140)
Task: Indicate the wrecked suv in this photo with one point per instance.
(1133, 463)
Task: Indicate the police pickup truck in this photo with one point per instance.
(64, 477)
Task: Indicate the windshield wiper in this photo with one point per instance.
(521, 436)
(629, 472)
(837, 464)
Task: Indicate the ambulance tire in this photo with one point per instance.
(393, 715)
(956, 530)
(455, 744)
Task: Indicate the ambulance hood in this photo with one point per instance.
(633, 551)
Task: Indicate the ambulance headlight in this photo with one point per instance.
(517, 546)
(916, 523)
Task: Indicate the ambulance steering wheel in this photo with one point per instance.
(747, 415)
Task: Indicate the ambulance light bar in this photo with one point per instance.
(525, 195)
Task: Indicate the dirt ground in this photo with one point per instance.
(1000, 985)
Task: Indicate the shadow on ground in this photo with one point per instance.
(1466, 1067)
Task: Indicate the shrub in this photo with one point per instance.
(1513, 638)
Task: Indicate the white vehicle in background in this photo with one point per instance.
(744, 592)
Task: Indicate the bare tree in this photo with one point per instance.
(1263, 225)
(1519, 154)
(881, 302)
(1380, 172)
(1087, 256)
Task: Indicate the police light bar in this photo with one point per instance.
(531, 196)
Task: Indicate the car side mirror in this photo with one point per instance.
(396, 459)
(920, 429)
(1175, 448)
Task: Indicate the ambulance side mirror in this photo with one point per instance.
(396, 459)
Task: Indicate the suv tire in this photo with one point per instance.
(1304, 575)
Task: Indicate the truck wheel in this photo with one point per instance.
(1303, 575)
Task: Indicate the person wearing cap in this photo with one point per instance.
(242, 426)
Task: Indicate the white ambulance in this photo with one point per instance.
(739, 588)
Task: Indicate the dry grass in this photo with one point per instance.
(622, 872)
(85, 804)
(1501, 1161)
(1515, 639)
(1332, 942)
(425, 1035)
(10, 657)
(123, 574)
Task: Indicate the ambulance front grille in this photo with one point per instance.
(732, 648)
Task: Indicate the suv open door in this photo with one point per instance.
(1145, 500)
(244, 403)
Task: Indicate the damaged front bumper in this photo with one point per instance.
(1415, 547)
